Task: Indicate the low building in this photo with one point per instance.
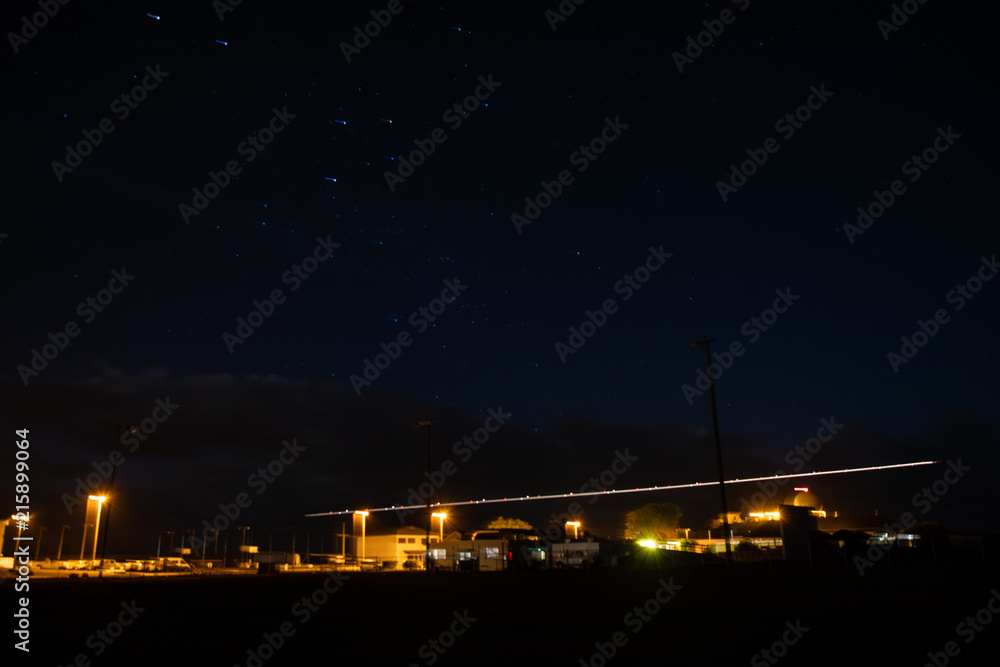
(394, 549)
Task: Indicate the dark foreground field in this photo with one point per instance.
(891, 616)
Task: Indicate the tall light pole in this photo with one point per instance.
(576, 528)
(62, 534)
(429, 423)
(440, 516)
(97, 525)
(83, 541)
(364, 515)
(706, 342)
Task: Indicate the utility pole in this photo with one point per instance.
(706, 343)
(243, 539)
(343, 539)
(429, 423)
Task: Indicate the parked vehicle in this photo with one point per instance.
(172, 564)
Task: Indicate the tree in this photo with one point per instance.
(653, 520)
(501, 522)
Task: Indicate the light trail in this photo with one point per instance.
(486, 501)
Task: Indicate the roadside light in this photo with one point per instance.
(576, 528)
(97, 524)
(441, 516)
(364, 515)
(651, 544)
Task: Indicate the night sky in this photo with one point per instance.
(662, 228)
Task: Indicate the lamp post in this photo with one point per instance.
(706, 342)
(576, 528)
(364, 515)
(97, 525)
(441, 516)
(62, 533)
(429, 423)
(83, 541)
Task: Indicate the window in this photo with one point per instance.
(492, 552)
(401, 540)
(410, 540)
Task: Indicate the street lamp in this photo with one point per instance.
(706, 342)
(97, 524)
(576, 528)
(427, 541)
(364, 515)
(442, 516)
(62, 534)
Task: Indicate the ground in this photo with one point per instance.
(713, 616)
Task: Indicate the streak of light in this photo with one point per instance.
(646, 489)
